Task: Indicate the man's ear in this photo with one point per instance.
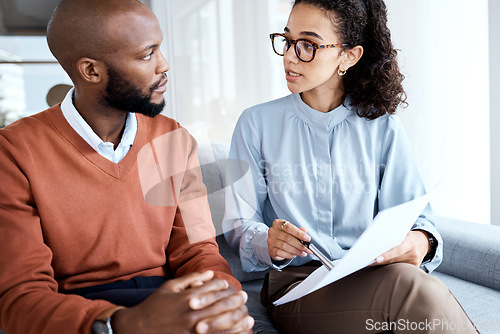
(351, 57)
(90, 70)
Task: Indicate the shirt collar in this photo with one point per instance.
(317, 119)
(85, 131)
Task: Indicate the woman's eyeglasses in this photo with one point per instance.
(304, 49)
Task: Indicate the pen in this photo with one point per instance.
(328, 264)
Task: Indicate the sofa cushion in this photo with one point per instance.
(471, 251)
(481, 303)
(212, 161)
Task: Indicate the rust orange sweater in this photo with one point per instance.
(70, 218)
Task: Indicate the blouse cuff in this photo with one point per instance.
(260, 249)
(433, 263)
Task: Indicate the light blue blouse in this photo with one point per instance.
(328, 172)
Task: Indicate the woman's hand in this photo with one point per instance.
(412, 250)
(283, 241)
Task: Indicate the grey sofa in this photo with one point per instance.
(471, 265)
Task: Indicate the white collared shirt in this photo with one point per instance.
(106, 149)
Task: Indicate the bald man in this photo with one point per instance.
(104, 222)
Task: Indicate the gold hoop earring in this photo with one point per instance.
(341, 71)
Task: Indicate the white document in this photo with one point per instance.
(388, 230)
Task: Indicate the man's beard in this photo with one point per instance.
(124, 95)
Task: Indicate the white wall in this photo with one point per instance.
(221, 59)
(494, 11)
(444, 55)
(222, 62)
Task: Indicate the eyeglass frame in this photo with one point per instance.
(295, 41)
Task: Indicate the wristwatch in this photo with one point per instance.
(102, 327)
(433, 243)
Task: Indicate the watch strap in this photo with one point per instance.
(102, 324)
(433, 243)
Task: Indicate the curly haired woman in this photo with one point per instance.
(323, 162)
